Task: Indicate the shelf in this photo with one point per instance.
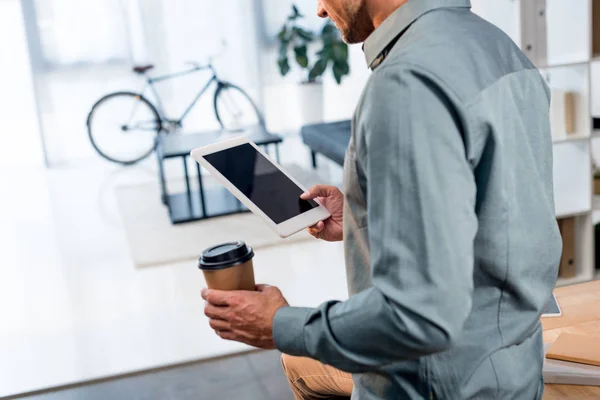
(575, 213)
(566, 64)
(581, 278)
(574, 137)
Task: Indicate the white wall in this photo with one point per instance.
(20, 139)
(568, 30)
(505, 14)
(341, 100)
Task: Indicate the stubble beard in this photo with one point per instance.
(358, 24)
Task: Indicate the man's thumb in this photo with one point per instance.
(315, 191)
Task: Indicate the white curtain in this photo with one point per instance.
(505, 14)
(76, 31)
(20, 139)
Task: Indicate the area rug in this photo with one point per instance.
(153, 240)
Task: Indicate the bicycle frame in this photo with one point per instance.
(151, 81)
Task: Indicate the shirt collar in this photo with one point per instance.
(376, 44)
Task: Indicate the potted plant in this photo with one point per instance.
(333, 54)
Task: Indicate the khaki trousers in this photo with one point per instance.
(310, 379)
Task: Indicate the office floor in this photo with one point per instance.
(252, 376)
(74, 307)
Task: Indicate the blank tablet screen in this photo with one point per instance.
(262, 182)
(552, 307)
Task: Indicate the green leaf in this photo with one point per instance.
(330, 34)
(283, 49)
(283, 33)
(325, 53)
(301, 56)
(337, 74)
(340, 70)
(342, 66)
(284, 66)
(328, 29)
(304, 34)
(317, 70)
(301, 50)
(295, 14)
(340, 51)
(302, 61)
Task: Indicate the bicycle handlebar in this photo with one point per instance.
(192, 64)
(211, 59)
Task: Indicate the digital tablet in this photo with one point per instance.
(552, 308)
(261, 185)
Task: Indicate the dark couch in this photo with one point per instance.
(330, 140)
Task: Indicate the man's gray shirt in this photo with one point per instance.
(452, 246)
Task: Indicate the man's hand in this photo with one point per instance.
(332, 229)
(244, 316)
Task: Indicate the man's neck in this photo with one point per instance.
(379, 10)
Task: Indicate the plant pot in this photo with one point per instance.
(597, 186)
(310, 100)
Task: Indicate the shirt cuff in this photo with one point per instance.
(288, 330)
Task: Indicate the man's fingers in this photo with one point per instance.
(219, 325)
(212, 311)
(317, 191)
(316, 230)
(227, 335)
(317, 227)
(216, 297)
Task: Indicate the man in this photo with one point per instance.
(448, 221)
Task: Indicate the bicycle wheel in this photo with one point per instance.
(122, 127)
(234, 109)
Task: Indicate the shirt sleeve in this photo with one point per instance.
(420, 192)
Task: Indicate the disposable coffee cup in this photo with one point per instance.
(228, 266)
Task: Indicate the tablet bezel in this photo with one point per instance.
(553, 315)
(283, 229)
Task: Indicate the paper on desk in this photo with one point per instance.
(569, 373)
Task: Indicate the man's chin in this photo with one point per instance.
(351, 37)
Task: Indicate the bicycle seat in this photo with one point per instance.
(140, 69)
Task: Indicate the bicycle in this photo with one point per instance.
(122, 125)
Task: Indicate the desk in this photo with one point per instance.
(202, 204)
(580, 305)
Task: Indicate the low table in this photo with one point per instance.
(580, 306)
(328, 139)
(202, 204)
